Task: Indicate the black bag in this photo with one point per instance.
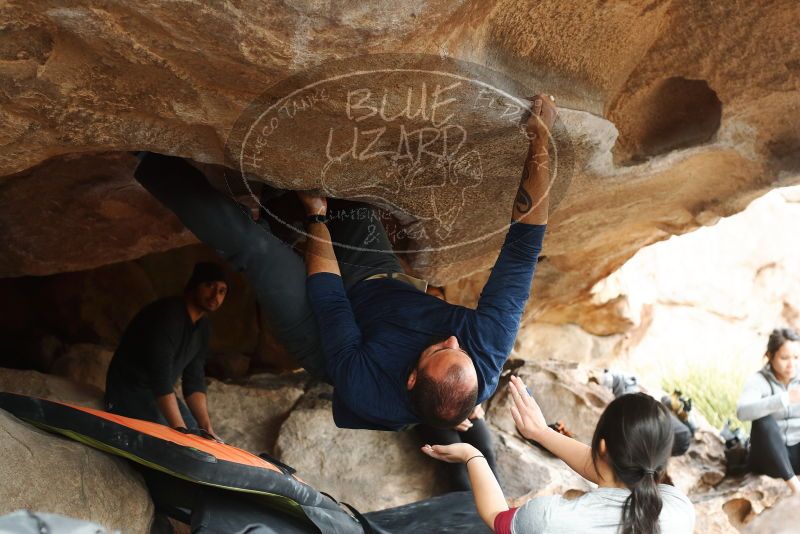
(737, 450)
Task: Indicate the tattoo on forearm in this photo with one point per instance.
(523, 202)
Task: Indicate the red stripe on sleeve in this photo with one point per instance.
(502, 522)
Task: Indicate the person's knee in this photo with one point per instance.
(764, 426)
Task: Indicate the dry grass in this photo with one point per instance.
(714, 391)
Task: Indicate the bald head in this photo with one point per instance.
(444, 386)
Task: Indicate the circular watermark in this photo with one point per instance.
(435, 144)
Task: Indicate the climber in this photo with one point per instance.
(168, 339)
(397, 356)
(771, 400)
(627, 459)
(473, 430)
(399, 385)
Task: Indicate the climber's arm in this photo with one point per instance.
(320, 257)
(532, 202)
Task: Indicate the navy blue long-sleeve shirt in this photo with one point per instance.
(374, 335)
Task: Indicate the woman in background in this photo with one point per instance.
(771, 400)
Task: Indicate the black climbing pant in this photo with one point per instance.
(769, 454)
(277, 274)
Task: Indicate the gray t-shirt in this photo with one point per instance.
(598, 512)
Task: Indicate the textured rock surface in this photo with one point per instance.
(50, 387)
(527, 471)
(374, 470)
(79, 212)
(702, 468)
(736, 502)
(783, 518)
(371, 470)
(84, 363)
(44, 472)
(563, 392)
(666, 78)
(248, 414)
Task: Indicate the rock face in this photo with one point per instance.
(79, 212)
(249, 414)
(782, 519)
(712, 296)
(563, 392)
(49, 387)
(736, 502)
(43, 472)
(665, 134)
(371, 470)
(290, 417)
(526, 471)
(84, 364)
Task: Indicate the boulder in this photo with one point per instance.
(782, 518)
(371, 470)
(733, 504)
(563, 392)
(47, 473)
(84, 363)
(249, 413)
(526, 471)
(662, 133)
(703, 466)
(709, 299)
(35, 384)
(92, 196)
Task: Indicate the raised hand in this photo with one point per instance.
(794, 395)
(313, 204)
(463, 426)
(541, 117)
(526, 413)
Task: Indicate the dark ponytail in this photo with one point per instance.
(637, 431)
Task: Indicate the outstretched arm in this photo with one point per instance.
(320, 257)
(532, 425)
(339, 332)
(505, 294)
(532, 202)
(489, 498)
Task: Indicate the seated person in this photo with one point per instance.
(473, 430)
(622, 384)
(628, 456)
(168, 339)
(771, 400)
(397, 356)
